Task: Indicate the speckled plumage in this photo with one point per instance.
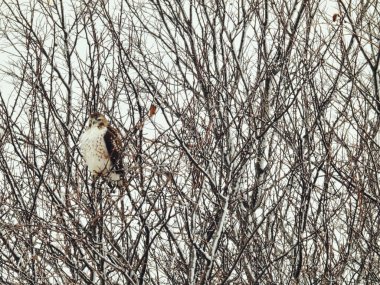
(101, 148)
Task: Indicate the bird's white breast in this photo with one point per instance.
(94, 150)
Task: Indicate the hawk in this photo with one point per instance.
(101, 147)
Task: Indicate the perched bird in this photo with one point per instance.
(102, 148)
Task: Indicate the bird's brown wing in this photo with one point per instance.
(114, 146)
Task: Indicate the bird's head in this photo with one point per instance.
(97, 120)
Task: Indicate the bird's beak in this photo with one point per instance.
(91, 122)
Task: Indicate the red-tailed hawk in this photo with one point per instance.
(101, 147)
